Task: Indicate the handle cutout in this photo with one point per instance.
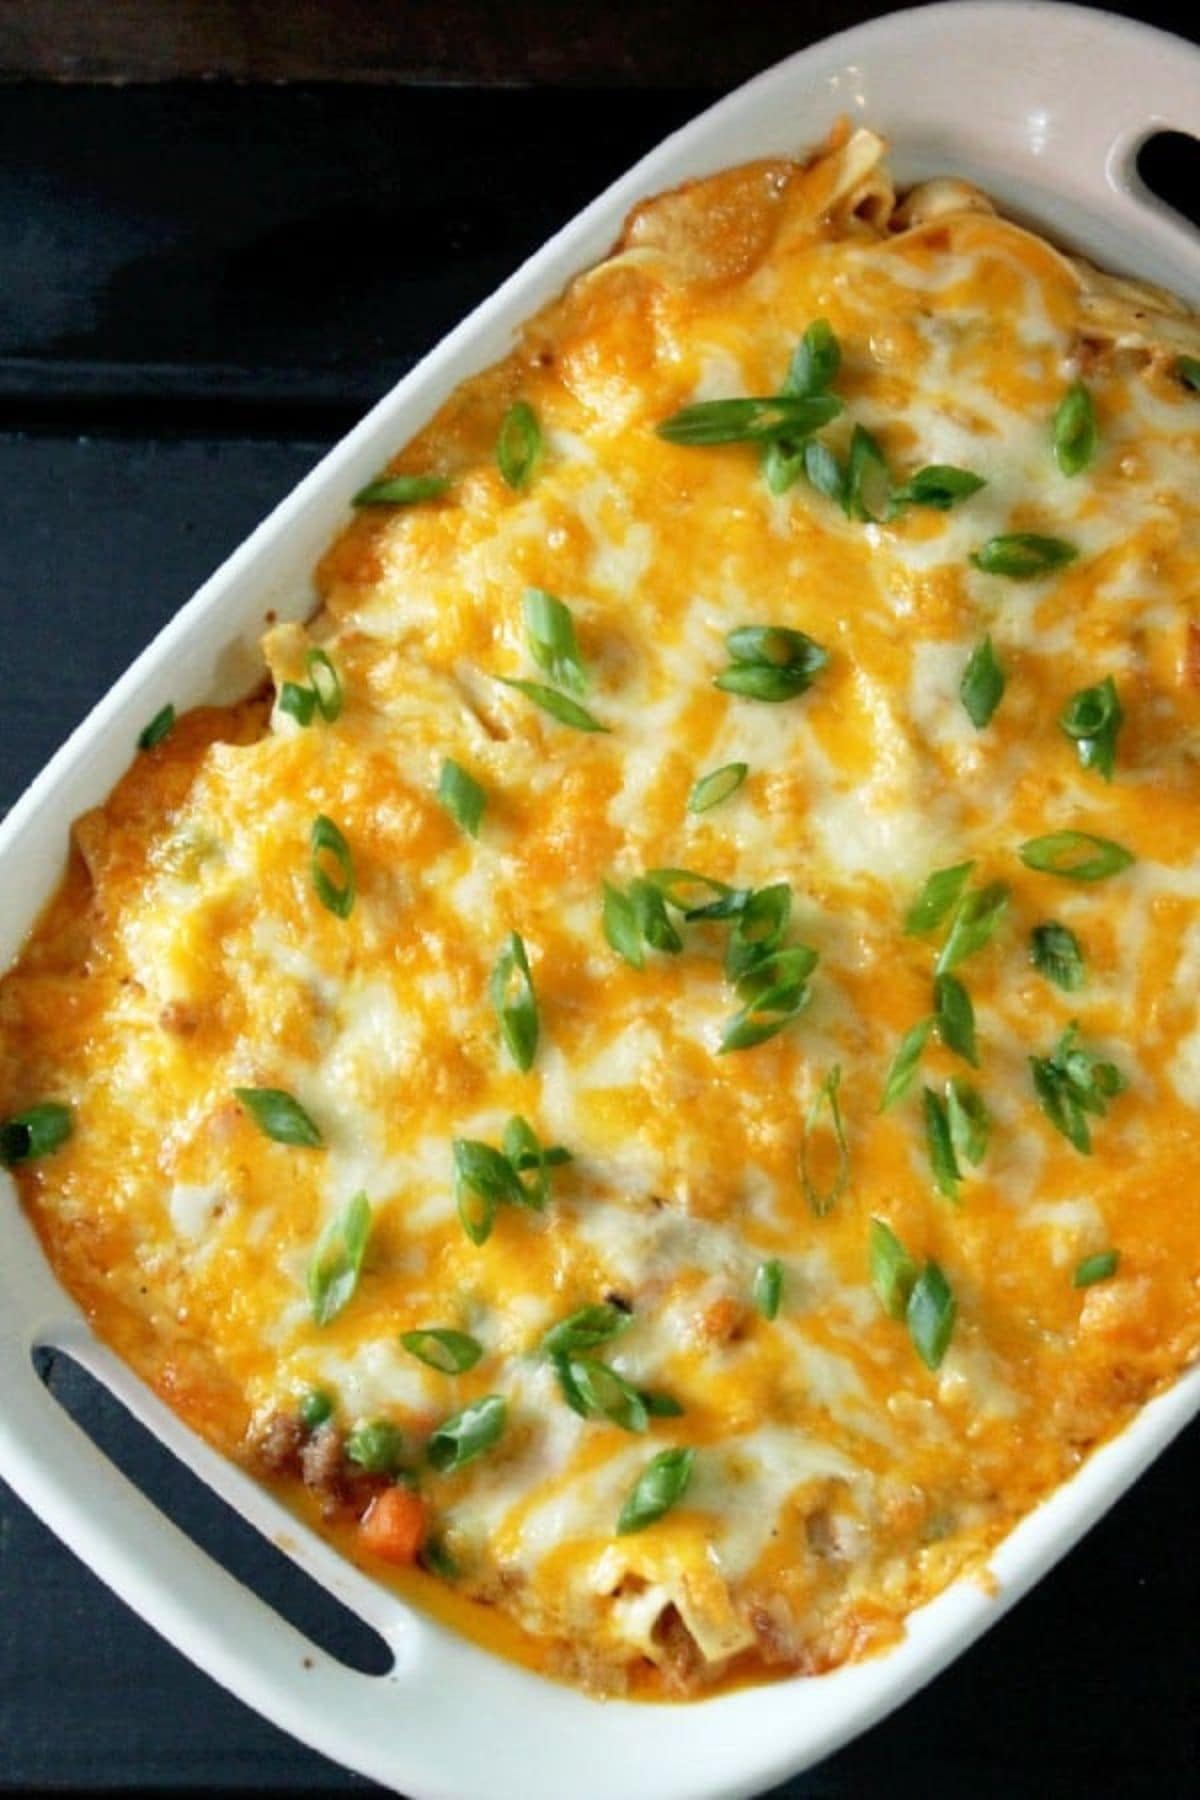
(211, 1524)
(1168, 162)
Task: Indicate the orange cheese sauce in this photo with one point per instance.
(838, 1480)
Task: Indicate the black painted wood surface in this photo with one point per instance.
(198, 289)
(522, 43)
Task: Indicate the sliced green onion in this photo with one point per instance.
(1092, 718)
(157, 729)
(476, 1207)
(324, 692)
(968, 1120)
(528, 1156)
(652, 919)
(673, 884)
(559, 706)
(754, 1025)
(931, 1313)
(975, 921)
(518, 444)
(711, 789)
(462, 797)
(759, 924)
(1072, 1084)
(34, 1132)
(485, 1178)
(756, 963)
(576, 1400)
(449, 1352)
(767, 1015)
(515, 1003)
(825, 1096)
(437, 1560)
(824, 472)
(893, 1271)
(815, 361)
(940, 893)
(337, 1260)
(749, 421)
(300, 703)
(661, 1406)
(728, 905)
(584, 1330)
(659, 1487)
(982, 687)
(1056, 953)
(467, 1434)
(775, 991)
(1188, 370)
(776, 646)
(1101, 1267)
(595, 1391)
(376, 1447)
(550, 631)
(1023, 555)
(621, 929)
(315, 1409)
(954, 1017)
(326, 685)
(782, 463)
(280, 1116)
(789, 967)
(904, 1064)
(868, 480)
(40, 1129)
(1075, 433)
(525, 1153)
(401, 490)
(768, 1287)
(756, 681)
(1075, 856)
(941, 486)
(940, 1145)
(638, 917)
(770, 662)
(325, 840)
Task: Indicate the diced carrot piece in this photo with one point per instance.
(393, 1526)
(720, 1321)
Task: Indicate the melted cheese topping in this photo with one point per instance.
(838, 1481)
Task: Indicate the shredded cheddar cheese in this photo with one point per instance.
(409, 1123)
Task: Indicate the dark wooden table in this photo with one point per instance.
(202, 286)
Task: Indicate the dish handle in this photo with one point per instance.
(1113, 89)
(221, 1625)
(1046, 107)
(1125, 178)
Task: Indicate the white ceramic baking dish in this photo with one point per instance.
(1043, 105)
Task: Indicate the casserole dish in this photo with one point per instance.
(741, 1739)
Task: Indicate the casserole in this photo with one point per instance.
(614, 1726)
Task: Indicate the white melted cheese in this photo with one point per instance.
(193, 1207)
